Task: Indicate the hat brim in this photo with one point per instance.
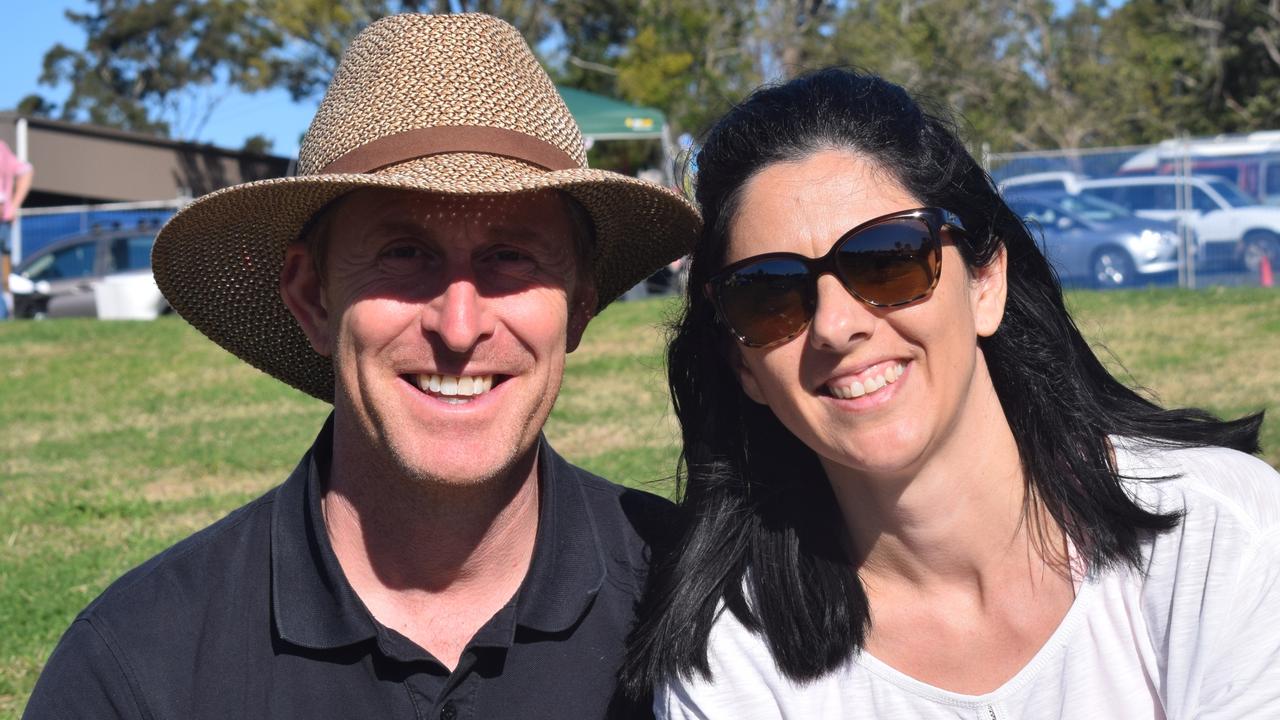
(218, 260)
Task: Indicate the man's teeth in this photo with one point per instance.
(857, 389)
(454, 385)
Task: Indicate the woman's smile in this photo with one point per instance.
(868, 381)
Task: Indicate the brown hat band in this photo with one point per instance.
(422, 142)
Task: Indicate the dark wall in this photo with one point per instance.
(80, 163)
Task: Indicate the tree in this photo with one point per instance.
(309, 36)
(965, 56)
(686, 57)
(1071, 97)
(690, 58)
(1267, 33)
(1020, 73)
(258, 144)
(36, 105)
(155, 65)
(163, 66)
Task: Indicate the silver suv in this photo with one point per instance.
(1231, 227)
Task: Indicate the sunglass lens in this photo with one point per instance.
(766, 301)
(890, 263)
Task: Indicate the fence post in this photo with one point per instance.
(1183, 202)
(15, 236)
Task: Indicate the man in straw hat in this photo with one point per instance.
(440, 251)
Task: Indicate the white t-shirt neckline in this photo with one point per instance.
(1052, 648)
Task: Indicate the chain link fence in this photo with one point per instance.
(1201, 212)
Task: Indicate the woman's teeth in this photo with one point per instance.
(857, 389)
(455, 386)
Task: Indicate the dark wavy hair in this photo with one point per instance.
(761, 531)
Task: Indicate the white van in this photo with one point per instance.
(1250, 161)
(1231, 228)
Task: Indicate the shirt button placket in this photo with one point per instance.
(448, 711)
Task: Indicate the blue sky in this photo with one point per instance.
(34, 26)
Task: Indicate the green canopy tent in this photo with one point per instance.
(603, 118)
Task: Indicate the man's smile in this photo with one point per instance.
(455, 388)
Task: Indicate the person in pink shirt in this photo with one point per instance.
(15, 183)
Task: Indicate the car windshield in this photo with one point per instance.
(1093, 208)
(1231, 192)
(37, 267)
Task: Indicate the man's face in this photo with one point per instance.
(448, 320)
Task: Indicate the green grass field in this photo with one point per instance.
(117, 439)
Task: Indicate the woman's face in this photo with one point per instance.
(918, 365)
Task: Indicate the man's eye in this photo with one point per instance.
(403, 251)
(405, 258)
(511, 256)
(511, 260)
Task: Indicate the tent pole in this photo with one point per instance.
(669, 155)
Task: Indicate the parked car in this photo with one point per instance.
(60, 280)
(1232, 228)
(1097, 242)
(1055, 181)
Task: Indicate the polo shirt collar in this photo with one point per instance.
(568, 566)
(313, 604)
(315, 607)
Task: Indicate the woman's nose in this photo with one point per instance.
(839, 318)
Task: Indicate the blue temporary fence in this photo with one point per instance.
(40, 227)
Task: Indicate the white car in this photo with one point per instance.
(1231, 227)
(106, 274)
(1053, 181)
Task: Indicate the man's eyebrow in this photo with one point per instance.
(516, 232)
(398, 227)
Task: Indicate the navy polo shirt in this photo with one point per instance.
(253, 618)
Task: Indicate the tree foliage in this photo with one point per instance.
(1021, 73)
(149, 65)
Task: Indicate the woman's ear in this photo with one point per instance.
(302, 290)
(746, 378)
(989, 290)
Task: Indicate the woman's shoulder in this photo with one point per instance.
(1210, 587)
(744, 684)
(1206, 484)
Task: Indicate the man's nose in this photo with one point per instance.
(839, 318)
(462, 317)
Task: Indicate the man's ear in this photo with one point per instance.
(990, 288)
(581, 310)
(302, 290)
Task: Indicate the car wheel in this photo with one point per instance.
(1259, 245)
(31, 310)
(1112, 268)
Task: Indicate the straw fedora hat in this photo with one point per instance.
(448, 104)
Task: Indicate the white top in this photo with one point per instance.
(1197, 637)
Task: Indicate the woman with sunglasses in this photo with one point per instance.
(911, 489)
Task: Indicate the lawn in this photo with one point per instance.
(116, 439)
